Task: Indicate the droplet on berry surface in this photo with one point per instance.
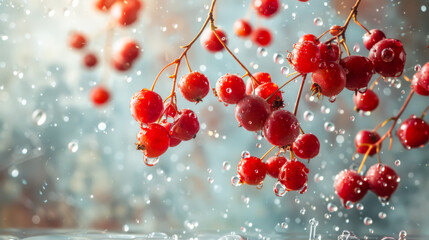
(387, 55)
(150, 161)
(279, 189)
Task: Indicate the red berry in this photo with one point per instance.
(90, 60)
(330, 79)
(369, 40)
(328, 53)
(194, 86)
(230, 88)
(367, 101)
(413, 132)
(170, 109)
(274, 164)
(146, 106)
(265, 90)
(251, 170)
(251, 112)
(350, 186)
(125, 13)
(121, 65)
(261, 77)
(281, 128)
(305, 57)
(359, 71)
(422, 77)
(335, 30)
(99, 95)
(242, 28)
(185, 126)
(417, 87)
(309, 37)
(364, 138)
(388, 57)
(261, 36)
(77, 40)
(210, 42)
(293, 175)
(266, 8)
(306, 146)
(103, 5)
(173, 141)
(382, 180)
(126, 50)
(153, 140)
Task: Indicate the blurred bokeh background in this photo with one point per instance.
(67, 164)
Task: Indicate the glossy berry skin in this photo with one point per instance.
(382, 180)
(369, 40)
(266, 8)
(103, 5)
(242, 28)
(77, 40)
(266, 90)
(153, 140)
(170, 109)
(388, 57)
(185, 126)
(293, 175)
(305, 57)
(146, 106)
(173, 141)
(230, 88)
(330, 79)
(194, 86)
(413, 132)
(350, 186)
(261, 77)
(251, 112)
(359, 71)
(90, 60)
(367, 101)
(274, 164)
(309, 37)
(417, 87)
(328, 53)
(262, 37)
(125, 13)
(126, 50)
(210, 42)
(281, 128)
(422, 77)
(251, 170)
(306, 146)
(365, 137)
(99, 95)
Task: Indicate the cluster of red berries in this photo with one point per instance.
(125, 51)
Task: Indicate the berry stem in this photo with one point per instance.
(424, 112)
(159, 74)
(360, 24)
(343, 42)
(284, 84)
(187, 63)
(295, 110)
(262, 158)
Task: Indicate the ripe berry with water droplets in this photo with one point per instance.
(281, 128)
(194, 86)
(422, 77)
(77, 40)
(251, 112)
(308, 37)
(305, 57)
(266, 90)
(274, 164)
(364, 138)
(413, 132)
(210, 42)
(306, 146)
(293, 175)
(329, 80)
(99, 95)
(328, 52)
(388, 57)
(350, 186)
(146, 106)
(367, 101)
(369, 40)
(185, 126)
(125, 13)
(242, 28)
(382, 180)
(417, 87)
(266, 8)
(251, 170)
(261, 36)
(153, 140)
(90, 60)
(230, 88)
(261, 77)
(359, 71)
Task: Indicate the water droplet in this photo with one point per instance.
(39, 117)
(352, 118)
(359, 206)
(349, 205)
(284, 225)
(14, 172)
(423, 8)
(228, 90)
(387, 55)
(308, 116)
(396, 83)
(332, 207)
(150, 161)
(258, 145)
(417, 67)
(102, 126)
(362, 90)
(367, 221)
(356, 47)
(318, 21)
(236, 181)
(278, 58)
(402, 235)
(262, 52)
(279, 189)
(260, 186)
(382, 215)
(397, 163)
(73, 146)
(245, 154)
(302, 211)
(284, 70)
(226, 166)
(210, 180)
(332, 99)
(329, 126)
(325, 110)
(383, 200)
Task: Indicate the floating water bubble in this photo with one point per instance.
(210, 180)
(417, 67)
(258, 145)
(73, 146)
(329, 126)
(39, 117)
(14, 172)
(382, 215)
(284, 70)
(332, 99)
(402, 235)
(349, 205)
(332, 207)
(102, 126)
(352, 118)
(367, 221)
(150, 161)
(359, 206)
(423, 8)
(236, 181)
(308, 116)
(325, 110)
(278, 58)
(397, 163)
(396, 83)
(383, 200)
(245, 154)
(318, 21)
(262, 52)
(302, 211)
(318, 178)
(356, 47)
(226, 166)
